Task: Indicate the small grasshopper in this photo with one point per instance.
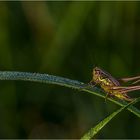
(112, 86)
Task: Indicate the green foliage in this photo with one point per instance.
(68, 39)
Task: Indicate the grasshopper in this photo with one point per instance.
(112, 86)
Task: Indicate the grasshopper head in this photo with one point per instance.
(97, 75)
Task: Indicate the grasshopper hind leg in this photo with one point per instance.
(127, 98)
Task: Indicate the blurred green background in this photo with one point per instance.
(66, 39)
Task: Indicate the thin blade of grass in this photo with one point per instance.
(93, 131)
(61, 81)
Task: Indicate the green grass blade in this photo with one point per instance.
(93, 131)
(51, 79)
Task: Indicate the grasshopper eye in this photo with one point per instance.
(97, 72)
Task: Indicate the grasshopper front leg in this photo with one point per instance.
(91, 84)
